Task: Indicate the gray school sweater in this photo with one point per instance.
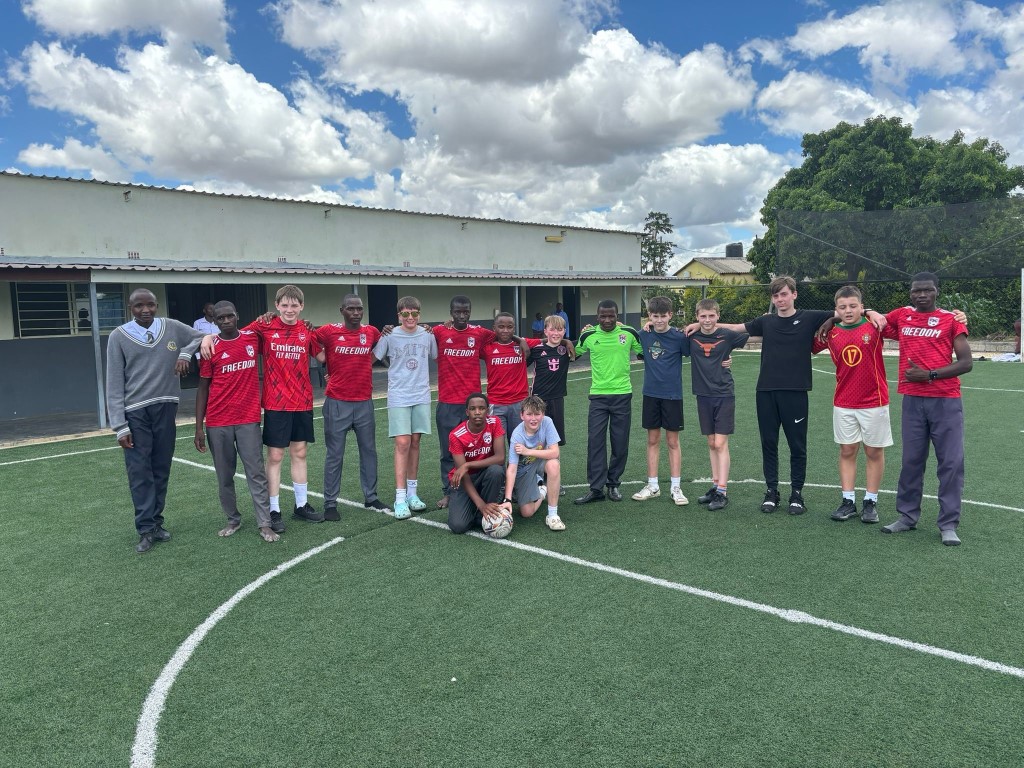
(140, 374)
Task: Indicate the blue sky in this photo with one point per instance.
(581, 112)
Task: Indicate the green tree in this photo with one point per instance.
(880, 166)
(655, 251)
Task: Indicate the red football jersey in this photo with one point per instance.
(458, 361)
(860, 372)
(474, 446)
(506, 372)
(235, 381)
(926, 338)
(349, 360)
(286, 351)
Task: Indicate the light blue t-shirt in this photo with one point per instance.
(409, 357)
(545, 437)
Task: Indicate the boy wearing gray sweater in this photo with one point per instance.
(145, 357)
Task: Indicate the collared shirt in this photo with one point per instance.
(204, 325)
(136, 331)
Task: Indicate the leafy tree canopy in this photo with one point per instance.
(655, 251)
(880, 166)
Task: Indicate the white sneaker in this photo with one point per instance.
(678, 497)
(646, 493)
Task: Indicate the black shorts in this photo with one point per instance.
(280, 428)
(659, 413)
(717, 415)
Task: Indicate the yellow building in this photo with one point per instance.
(724, 270)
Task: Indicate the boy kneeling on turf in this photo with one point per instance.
(477, 446)
(533, 454)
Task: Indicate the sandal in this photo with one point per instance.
(554, 522)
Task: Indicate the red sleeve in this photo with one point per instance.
(205, 368)
(891, 330)
(487, 335)
(531, 343)
(958, 329)
(817, 346)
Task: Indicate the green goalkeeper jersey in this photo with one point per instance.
(609, 358)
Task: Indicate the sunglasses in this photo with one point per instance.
(409, 313)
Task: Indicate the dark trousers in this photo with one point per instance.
(447, 417)
(608, 414)
(149, 462)
(340, 416)
(786, 408)
(462, 513)
(227, 445)
(556, 412)
(940, 422)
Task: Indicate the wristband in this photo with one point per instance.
(507, 501)
(933, 375)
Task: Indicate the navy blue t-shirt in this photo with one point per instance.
(663, 363)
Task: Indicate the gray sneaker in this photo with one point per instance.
(898, 527)
(869, 512)
(950, 539)
(718, 501)
(845, 511)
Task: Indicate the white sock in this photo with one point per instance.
(410, 486)
(675, 482)
(652, 483)
(553, 511)
(275, 503)
(869, 496)
(399, 495)
(301, 495)
(849, 495)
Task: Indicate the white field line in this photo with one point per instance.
(145, 744)
(790, 615)
(144, 747)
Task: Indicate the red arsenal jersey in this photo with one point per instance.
(860, 372)
(235, 381)
(458, 361)
(926, 338)
(349, 360)
(506, 372)
(475, 446)
(286, 350)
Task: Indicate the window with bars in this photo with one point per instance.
(62, 309)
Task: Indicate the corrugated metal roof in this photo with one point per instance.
(332, 203)
(722, 265)
(320, 269)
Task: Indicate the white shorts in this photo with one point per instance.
(862, 425)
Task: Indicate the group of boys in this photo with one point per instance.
(146, 355)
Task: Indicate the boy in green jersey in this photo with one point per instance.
(611, 400)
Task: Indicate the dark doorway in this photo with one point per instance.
(571, 305)
(381, 302)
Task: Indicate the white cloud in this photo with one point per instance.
(894, 39)
(190, 117)
(518, 80)
(74, 155)
(200, 21)
(803, 102)
(771, 52)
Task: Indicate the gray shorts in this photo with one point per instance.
(526, 480)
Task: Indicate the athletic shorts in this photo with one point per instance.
(281, 428)
(717, 415)
(409, 420)
(659, 413)
(862, 425)
(526, 489)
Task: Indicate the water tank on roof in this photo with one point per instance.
(734, 251)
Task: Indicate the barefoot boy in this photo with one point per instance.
(533, 454)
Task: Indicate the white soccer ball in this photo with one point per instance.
(498, 526)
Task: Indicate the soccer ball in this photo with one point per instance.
(500, 526)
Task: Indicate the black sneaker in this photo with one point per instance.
(331, 513)
(796, 503)
(771, 501)
(377, 505)
(846, 510)
(306, 512)
(707, 497)
(869, 513)
(718, 501)
(276, 523)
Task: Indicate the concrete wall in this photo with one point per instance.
(74, 219)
